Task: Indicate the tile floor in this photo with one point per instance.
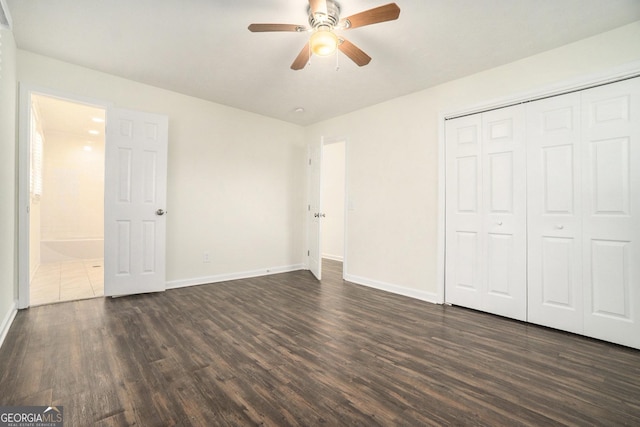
(66, 281)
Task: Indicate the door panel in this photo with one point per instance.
(557, 275)
(611, 178)
(501, 194)
(504, 213)
(463, 279)
(135, 189)
(466, 258)
(558, 179)
(314, 210)
(499, 248)
(554, 228)
(610, 284)
(467, 182)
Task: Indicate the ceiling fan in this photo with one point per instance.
(324, 18)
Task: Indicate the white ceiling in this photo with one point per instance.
(203, 48)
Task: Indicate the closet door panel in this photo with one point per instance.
(463, 265)
(504, 212)
(611, 214)
(554, 213)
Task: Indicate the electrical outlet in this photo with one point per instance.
(205, 257)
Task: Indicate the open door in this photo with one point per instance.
(314, 209)
(135, 202)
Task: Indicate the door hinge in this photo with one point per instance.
(309, 208)
(309, 162)
(308, 253)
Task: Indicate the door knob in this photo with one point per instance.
(160, 212)
(559, 226)
(499, 223)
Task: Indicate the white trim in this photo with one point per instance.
(196, 281)
(440, 249)
(622, 72)
(24, 135)
(333, 257)
(7, 321)
(394, 289)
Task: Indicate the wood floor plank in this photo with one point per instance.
(289, 350)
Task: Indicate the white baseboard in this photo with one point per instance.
(7, 321)
(174, 284)
(333, 257)
(395, 289)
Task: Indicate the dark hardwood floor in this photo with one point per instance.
(288, 350)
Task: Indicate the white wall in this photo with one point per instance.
(72, 202)
(392, 227)
(235, 179)
(333, 177)
(8, 182)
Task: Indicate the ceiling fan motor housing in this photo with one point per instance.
(330, 20)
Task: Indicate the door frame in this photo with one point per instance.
(581, 82)
(24, 174)
(324, 140)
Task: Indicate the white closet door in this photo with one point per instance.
(504, 212)
(463, 268)
(486, 212)
(555, 296)
(611, 211)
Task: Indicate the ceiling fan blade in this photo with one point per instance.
(388, 12)
(302, 59)
(318, 6)
(261, 28)
(354, 53)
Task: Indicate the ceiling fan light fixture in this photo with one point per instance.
(323, 42)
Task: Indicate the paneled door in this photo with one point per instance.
(486, 212)
(314, 210)
(464, 266)
(611, 211)
(135, 202)
(504, 190)
(554, 160)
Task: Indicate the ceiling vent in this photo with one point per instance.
(5, 17)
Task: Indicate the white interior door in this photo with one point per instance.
(135, 201)
(463, 268)
(554, 158)
(611, 211)
(504, 216)
(314, 210)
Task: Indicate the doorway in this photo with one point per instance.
(66, 200)
(333, 196)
